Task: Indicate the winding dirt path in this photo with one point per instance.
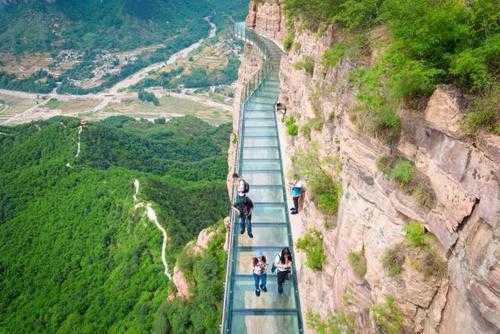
(151, 214)
(80, 130)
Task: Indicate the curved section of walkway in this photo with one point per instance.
(259, 162)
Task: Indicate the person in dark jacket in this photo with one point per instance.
(244, 206)
(283, 265)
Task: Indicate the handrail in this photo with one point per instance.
(248, 89)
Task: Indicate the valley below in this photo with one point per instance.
(114, 131)
(17, 107)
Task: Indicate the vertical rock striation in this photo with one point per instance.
(463, 174)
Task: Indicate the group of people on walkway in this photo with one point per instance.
(282, 264)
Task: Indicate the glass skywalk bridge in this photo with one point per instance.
(259, 162)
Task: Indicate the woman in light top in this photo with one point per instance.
(283, 264)
(260, 274)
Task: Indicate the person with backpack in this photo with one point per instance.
(260, 274)
(244, 206)
(296, 192)
(283, 266)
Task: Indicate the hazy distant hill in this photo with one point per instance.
(36, 25)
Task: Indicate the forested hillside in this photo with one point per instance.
(111, 24)
(76, 255)
(90, 45)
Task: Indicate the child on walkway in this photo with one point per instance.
(260, 274)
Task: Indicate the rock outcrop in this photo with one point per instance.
(193, 248)
(462, 173)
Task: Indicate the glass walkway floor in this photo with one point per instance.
(260, 164)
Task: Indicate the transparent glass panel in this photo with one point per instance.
(266, 194)
(272, 81)
(263, 178)
(257, 165)
(275, 324)
(259, 107)
(259, 132)
(259, 114)
(261, 153)
(275, 236)
(260, 122)
(260, 142)
(244, 294)
(269, 84)
(268, 95)
(269, 213)
(260, 99)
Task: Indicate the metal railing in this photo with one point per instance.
(250, 86)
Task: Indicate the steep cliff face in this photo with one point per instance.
(459, 176)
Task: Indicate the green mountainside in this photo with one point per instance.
(76, 255)
(94, 28)
(112, 24)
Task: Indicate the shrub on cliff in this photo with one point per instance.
(393, 260)
(311, 243)
(334, 54)
(291, 126)
(410, 180)
(288, 41)
(387, 316)
(416, 235)
(423, 257)
(484, 113)
(418, 249)
(376, 111)
(312, 124)
(402, 172)
(357, 260)
(335, 323)
(306, 64)
(326, 191)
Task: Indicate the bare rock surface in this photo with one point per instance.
(180, 282)
(444, 110)
(463, 173)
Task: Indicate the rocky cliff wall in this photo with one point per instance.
(462, 175)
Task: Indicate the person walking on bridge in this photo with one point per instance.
(260, 273)
(283, 265)
(244, 206)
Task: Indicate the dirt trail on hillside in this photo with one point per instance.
(151, 214)
(80, 130)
